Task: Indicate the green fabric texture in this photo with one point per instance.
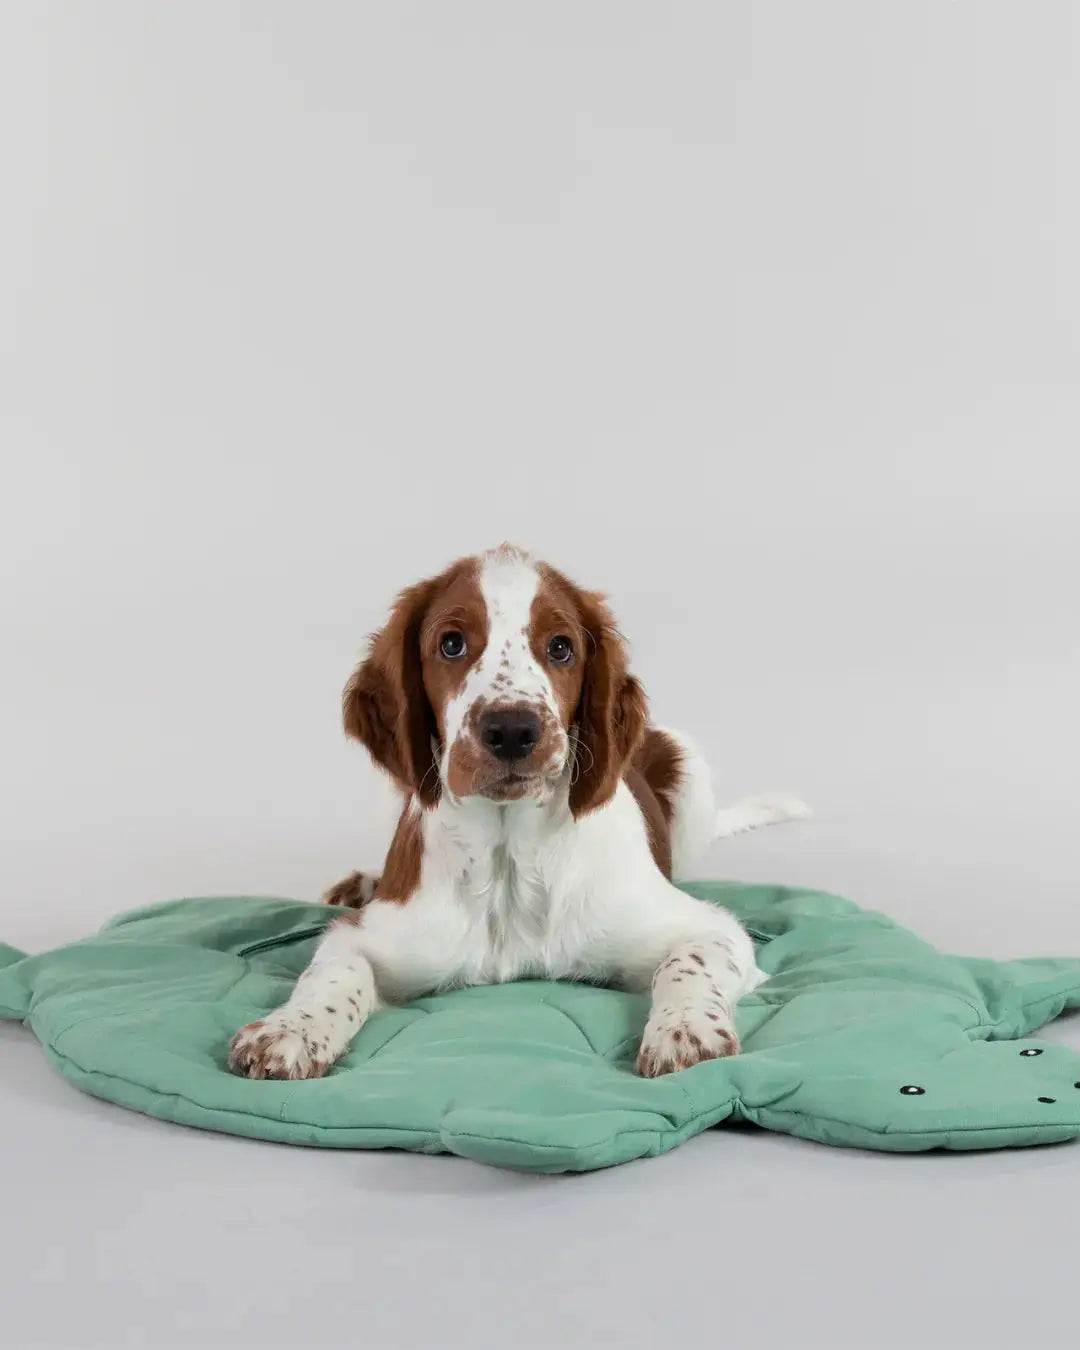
(539, 1076)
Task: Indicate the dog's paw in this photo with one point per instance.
(280, 1045)
(678, 1039)
(353, 892)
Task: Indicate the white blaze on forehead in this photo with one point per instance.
(507, 672)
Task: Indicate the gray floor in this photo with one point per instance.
(125, 1231)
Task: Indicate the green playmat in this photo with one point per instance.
(864, 1035)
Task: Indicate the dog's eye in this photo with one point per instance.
(561, 650)
(452, 645)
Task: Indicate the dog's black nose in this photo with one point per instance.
(510, 733)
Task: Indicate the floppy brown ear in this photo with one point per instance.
(385, 706)
(612, 713)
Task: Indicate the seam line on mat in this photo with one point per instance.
(434, 1135)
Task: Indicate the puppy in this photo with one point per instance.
(542, 821)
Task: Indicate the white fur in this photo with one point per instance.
(750, 813)
(692, 1007)
(522, 889)
(510, 892)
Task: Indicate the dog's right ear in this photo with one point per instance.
(385, 706)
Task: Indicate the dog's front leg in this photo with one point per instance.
(694, 992)
(332, 1000)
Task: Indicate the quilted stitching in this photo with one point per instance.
(864, 1035)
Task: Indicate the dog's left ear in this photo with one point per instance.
(612, 714)
(385, 706)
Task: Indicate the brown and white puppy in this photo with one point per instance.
(541, 823)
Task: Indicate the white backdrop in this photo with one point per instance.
(762, 318)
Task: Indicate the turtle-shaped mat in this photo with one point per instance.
(863, 1035)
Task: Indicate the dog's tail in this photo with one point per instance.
(750, 813)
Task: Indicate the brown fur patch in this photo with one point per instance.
(654, 776)
(555, 610)
(659, 760)
(395, 700)
(611, 713)
(352, 892)
(456, 606)
(404, 862)
(655, 822)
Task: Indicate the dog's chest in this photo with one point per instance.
(514, 913)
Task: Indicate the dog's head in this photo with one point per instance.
(495, 679)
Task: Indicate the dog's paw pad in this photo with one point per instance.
(670, 1044)
(276, 1047)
